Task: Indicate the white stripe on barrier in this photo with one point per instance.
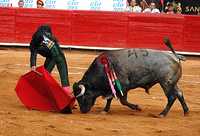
(62, 46)
(27, 65)
(89, 48)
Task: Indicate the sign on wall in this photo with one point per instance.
(27, 3)
(104, 5)
(190, 7)
(51, 3)
(119, 5)
(76, 4)
(5, 3)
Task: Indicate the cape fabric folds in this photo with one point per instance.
(40, 91)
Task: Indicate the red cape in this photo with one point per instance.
(40, 91)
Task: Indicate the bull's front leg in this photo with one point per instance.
(107, 107)
(123, 100)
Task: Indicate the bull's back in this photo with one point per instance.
(141, 67)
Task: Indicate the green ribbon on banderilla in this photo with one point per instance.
(111, 75)
(116, 82)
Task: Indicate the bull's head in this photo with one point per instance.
(85, 97)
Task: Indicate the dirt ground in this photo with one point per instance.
(16, 120)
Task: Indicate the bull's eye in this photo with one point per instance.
(76, 89)
(76, 92)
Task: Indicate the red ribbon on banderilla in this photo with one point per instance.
(111, 75)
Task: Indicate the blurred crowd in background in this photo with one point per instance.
(154, 6)
(138, 6)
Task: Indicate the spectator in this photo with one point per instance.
(152, 8)
(21, 3)
(144, 4)
(169, 9)
(177, 7)
(40, 4)
(133, 6)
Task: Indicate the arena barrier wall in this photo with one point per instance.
(101, 29)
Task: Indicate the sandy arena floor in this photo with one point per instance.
(16, 120)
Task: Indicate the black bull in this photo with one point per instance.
(134, 68)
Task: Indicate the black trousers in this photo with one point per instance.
(57, 58)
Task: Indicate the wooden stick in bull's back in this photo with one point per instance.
(110, 81)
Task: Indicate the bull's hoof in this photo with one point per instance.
(155, 115)
(186, 114)
(138, 108)
(161, 116)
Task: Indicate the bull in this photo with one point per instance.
(134, 68)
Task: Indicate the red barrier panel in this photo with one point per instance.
(148, 30)
(27, 21)
(7, 25)
(102, 29)
(191, 34)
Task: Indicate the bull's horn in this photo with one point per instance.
(82, 87)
